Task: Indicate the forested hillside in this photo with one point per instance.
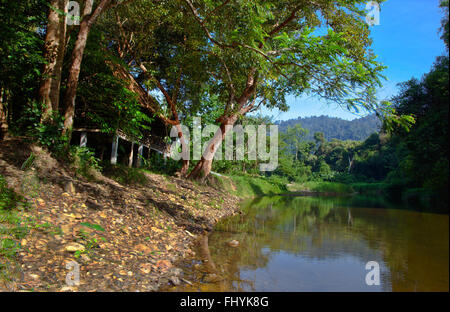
(335, 128)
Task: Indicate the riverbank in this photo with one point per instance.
(247, 186)
(124, 237)
(320, 188)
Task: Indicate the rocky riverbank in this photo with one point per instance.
(122, 237)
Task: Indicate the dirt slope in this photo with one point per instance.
(124, 237)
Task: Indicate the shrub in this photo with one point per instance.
(323, 187)
(157, 163)
(85, 162)
(47, 134)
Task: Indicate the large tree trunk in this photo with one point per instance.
(185, 149)
(75, 67)
(3, 116)
(51, 48)
(62, 32)
(201, 170)
(227, 120)
(77, 57)
(184, 167)
(54, 50)
(203, 167)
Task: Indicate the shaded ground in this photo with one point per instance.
(124, 237)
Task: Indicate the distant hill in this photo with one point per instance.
(336, 128)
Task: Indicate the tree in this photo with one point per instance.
(249, 52)
(319, 138)
(426, 161)
(294, 138)
(88, 18)
(54, 50)
(117, 106)
(20, 58)
(340, 155)
(444, 28)
(165, 59)
(260, 51)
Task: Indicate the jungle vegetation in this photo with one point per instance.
(185, 58)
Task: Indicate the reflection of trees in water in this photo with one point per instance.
(282, 223)
(328, 227)
(277, 224)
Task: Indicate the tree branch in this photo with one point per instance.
(209, 14)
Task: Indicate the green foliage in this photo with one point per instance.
(158, 164)
(8, 247)
(205, 61)
(28, 162)
(250, 186)
(374, 188)
(393, 120)
(90, 240)
(84, 161)
(48, 134)
(444, 23)
(96, 227)
(424, 150)
(322, 187)
(307, 56)
(21, 46)
(324, 171)
(13, 227)
(8, 198)
(115, 106)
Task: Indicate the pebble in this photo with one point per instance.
(175, 280)
(34, 276)
(73, 247)
(66, 288)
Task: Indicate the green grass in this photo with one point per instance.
(378, 188)
(321, 187)
(12, 228)
(171, 187)
(250, 186)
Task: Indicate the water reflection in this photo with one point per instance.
(323, 244)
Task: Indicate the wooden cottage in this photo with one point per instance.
(120, 147)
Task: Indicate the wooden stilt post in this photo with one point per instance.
(130, 159)
(83, 139)
(140, 155)
(115, 145)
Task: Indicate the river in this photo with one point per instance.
(300, 243)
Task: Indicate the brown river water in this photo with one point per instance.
(322, 244)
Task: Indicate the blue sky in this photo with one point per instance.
(407, 41)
